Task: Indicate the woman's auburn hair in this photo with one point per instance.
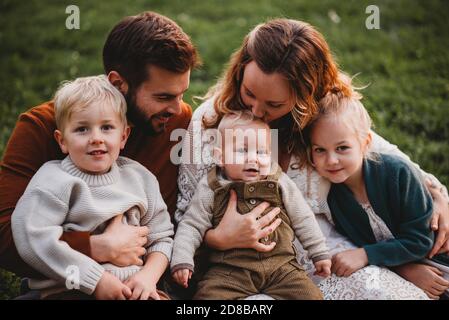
(297, 51)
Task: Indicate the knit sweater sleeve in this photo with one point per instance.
(37, 227)
(413, 237)
(380, 145)
(303, 220)
(157, 219)
(30, 145)
(192, 227)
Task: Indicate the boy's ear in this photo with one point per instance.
(118, 81)
(125, 136)
(218, 156)
(60, 139)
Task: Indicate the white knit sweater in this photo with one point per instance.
(60, 198)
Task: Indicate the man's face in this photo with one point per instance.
(151, 105)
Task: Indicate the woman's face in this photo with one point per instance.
(266, 95)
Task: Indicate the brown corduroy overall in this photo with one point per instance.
(238, 273)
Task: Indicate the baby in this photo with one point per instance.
(244, 165)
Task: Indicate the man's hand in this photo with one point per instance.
(119, 244)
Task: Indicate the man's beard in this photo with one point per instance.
(138, 118)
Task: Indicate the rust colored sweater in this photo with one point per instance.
(32, 144)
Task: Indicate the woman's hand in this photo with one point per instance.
(440, 219)
(243, 231)
(347, 262)
(119, 244)
(426, 277)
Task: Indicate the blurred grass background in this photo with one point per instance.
(405, 63)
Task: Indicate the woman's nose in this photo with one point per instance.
(257, 110)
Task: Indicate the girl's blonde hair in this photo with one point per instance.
(87, 91)
(350, 110)
(295, 50)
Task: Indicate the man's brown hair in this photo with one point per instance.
(147, 39)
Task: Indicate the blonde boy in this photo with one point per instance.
(92, 185)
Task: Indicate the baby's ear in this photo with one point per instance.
(218, 156)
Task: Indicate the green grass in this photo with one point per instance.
(405, 63)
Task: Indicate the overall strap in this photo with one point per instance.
(212, 180)
(275, 173)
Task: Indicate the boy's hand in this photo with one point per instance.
(347, 262)
(111, 288)
(143, 286)
(323, 268)
(182, 277)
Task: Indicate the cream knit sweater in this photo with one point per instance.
(60, 198)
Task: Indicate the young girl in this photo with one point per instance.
(378, 201)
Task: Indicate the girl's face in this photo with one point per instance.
(266, 95)
(337, 152)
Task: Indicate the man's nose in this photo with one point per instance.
(176, 107)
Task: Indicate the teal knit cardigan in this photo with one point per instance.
(398, 196)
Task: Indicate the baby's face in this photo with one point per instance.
(246, 152)
(93, 137)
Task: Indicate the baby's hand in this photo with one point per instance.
(143, 286)
(182, 277)
(323, 268)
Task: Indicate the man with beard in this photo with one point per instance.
(148, 58)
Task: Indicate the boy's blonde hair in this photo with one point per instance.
(348, 109)
(86, 91)
(237, 118)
